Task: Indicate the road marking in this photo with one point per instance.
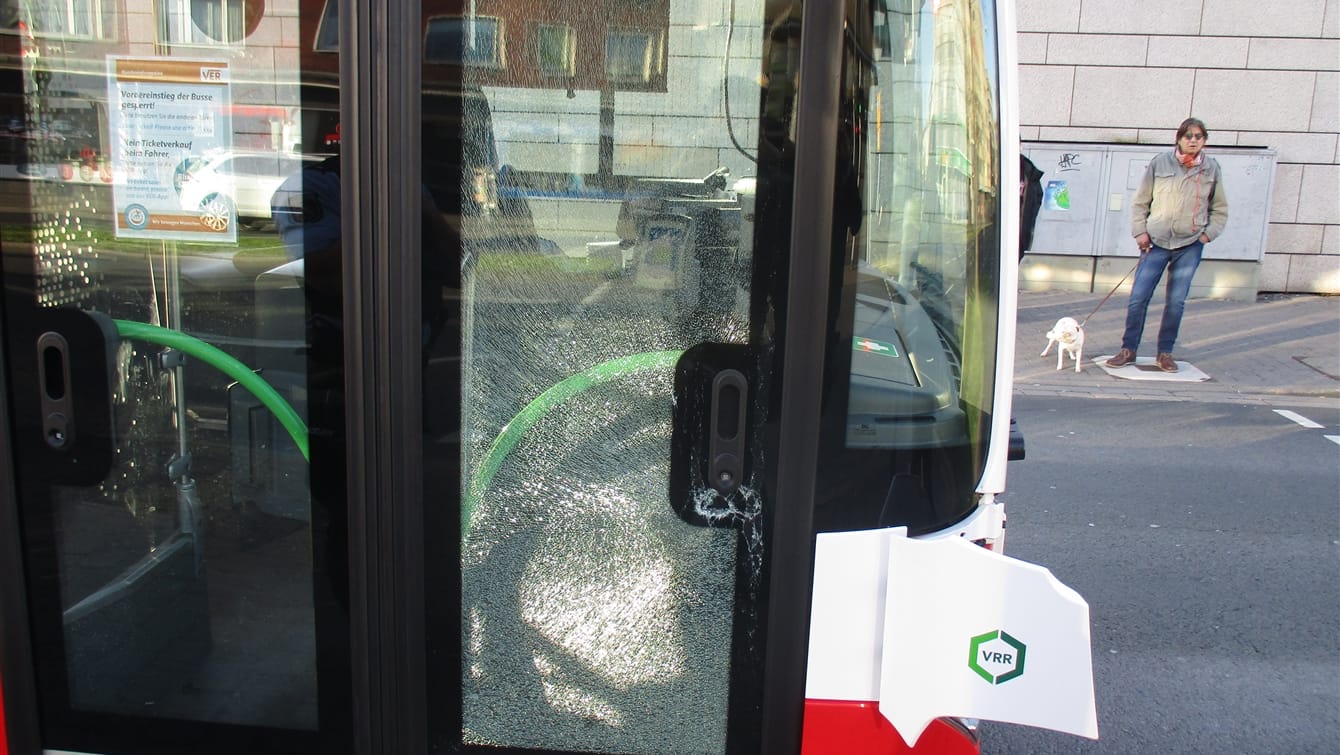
(1333, 438)
(1300, 419)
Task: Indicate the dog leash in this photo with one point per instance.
(1109, 293)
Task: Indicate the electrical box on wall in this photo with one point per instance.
(1088, 187)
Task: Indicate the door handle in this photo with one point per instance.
(710, 452)
(725, 443)
(68, 433)
(53, 381)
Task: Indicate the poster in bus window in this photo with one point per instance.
(167, 115)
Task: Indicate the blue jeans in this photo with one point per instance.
(1181, 265)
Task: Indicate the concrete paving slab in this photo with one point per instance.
(1282, 350)
(1144, 369)
(1328, 366)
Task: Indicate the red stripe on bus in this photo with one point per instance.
(842, 727)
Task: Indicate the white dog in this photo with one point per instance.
(1068, 337)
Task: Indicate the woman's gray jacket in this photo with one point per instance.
(1175, 205)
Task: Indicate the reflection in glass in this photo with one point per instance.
(922, 354)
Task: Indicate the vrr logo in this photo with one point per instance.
(996, 656)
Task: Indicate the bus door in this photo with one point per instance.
(174, 582)
(628, 566)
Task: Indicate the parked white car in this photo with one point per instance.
(237, 184)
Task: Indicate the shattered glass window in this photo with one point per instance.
(606, 227)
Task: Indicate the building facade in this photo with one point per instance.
(1259, 73)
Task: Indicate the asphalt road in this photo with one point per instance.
(1206, 538)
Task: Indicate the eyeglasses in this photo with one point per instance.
(1193, 136)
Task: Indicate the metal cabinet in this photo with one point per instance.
(1088, 189)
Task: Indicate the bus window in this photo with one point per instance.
(917, 313)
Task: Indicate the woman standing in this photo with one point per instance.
(1179, 208)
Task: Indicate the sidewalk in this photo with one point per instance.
(1281, 350)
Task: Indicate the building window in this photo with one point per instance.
(481, 37)
(633, 56)
(556, 50)
(486, 41)
(209, 22)
(90, 19)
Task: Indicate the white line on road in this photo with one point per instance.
(1296, 417)
(1333, 438)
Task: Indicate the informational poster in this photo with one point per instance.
(165, 114)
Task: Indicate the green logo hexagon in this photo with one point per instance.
(996, 656)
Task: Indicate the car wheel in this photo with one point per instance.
(216, 212)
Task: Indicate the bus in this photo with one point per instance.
(606, 377)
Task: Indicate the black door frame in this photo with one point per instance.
(792, 546)
(17, 674)
(380, 65)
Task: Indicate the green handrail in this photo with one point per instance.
(225, 363)
(502, 445)
(537, 408)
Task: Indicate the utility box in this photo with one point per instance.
(1082, 240)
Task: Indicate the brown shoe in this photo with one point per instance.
(1165, 362)
(1123, 358)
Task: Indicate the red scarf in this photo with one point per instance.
(1189, 161)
